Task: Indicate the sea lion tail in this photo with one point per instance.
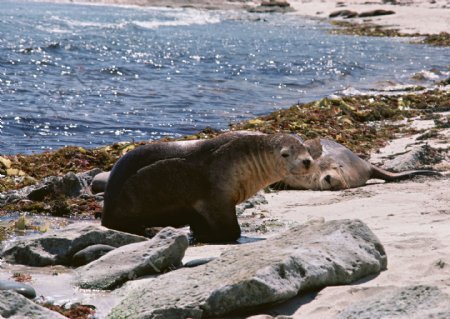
(392, 177)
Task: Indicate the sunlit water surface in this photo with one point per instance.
(93, 75)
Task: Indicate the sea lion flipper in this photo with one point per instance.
(380, 173)
(216, 221)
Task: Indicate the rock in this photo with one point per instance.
(15, 172)
(98, 184)
(306, 257)
(14, 305)
(198, 262)
(272, 6)
(343, 13)
(413, 302)
(70, 185)
(418, 157)
(5, 163)
(58, 246)
(89, 254)
(23, 289)
(155, 256)
(252, 202)
(275, 3)
(374, 13)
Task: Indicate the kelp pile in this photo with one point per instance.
(371, 30)
(362, 123)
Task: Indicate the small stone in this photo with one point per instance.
(198, 262)
(15, 172)
(98, 184)
(90, 253)
(23, 289)
(5, 163)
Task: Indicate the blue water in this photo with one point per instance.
(93, 75)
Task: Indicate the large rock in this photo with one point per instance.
(414, 302)
(58, 246)
(418, 157)
(13, 305)
(309, 256)
(157, 255)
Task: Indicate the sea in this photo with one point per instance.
(92, 75)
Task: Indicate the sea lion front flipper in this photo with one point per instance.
(216, 221)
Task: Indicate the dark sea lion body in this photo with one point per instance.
(197, 183)
(339, 168)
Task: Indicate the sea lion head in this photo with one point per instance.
(295, 158)
(331, 175)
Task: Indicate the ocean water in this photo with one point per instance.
(92, 75)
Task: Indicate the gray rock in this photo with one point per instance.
(14, 305)
(414, 302)
(98, 184)
(23, 289)
(418, 157)
(309, 256)
(155, 256)
(375, 13)
(58, 246)
(90, 253)
(70, 185)
(252, 202)
(343, 13)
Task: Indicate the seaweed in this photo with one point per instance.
(372, 30)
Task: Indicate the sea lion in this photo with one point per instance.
(198, 182)
(339, 168)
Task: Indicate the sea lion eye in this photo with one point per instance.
(285, 155)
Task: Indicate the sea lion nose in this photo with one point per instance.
(307, 163)
(327, 179)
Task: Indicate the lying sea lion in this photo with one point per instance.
(339, 168)
(198, 182)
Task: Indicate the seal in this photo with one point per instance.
(198, 183)
(339, 168)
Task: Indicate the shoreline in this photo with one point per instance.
(409, 18)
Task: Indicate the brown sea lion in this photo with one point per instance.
(339, 168)
(198, 182)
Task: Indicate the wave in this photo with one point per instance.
(181, 18)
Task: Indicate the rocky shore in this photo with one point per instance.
(379, 251)
(294, 244)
